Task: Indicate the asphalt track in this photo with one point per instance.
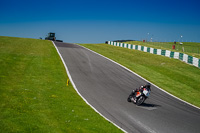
(106, 86)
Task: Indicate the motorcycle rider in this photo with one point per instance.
(147, 86)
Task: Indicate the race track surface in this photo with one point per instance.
(106, 86)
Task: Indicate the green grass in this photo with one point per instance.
(172, 75)
(190, 48)
(34, 95)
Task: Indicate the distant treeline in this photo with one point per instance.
(121, 41)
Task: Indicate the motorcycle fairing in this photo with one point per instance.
(138, 94)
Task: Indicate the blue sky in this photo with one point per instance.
(95, 21)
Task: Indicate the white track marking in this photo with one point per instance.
(68, 73)
(143, 78)
(124, 68)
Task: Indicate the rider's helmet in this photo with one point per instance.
(148, 85)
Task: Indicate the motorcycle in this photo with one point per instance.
(139, 96)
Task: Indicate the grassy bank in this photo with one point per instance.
(174, 76)
(34, 95)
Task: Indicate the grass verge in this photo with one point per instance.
(172, 75)
(33, 92)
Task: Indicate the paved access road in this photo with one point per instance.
(106, 87)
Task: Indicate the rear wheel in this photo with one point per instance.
(140, 100)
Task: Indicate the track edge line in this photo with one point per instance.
(70, 78)
(142, 78)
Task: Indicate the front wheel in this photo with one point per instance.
(129, 98)
(140, 100)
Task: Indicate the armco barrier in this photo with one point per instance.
(181, 56)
